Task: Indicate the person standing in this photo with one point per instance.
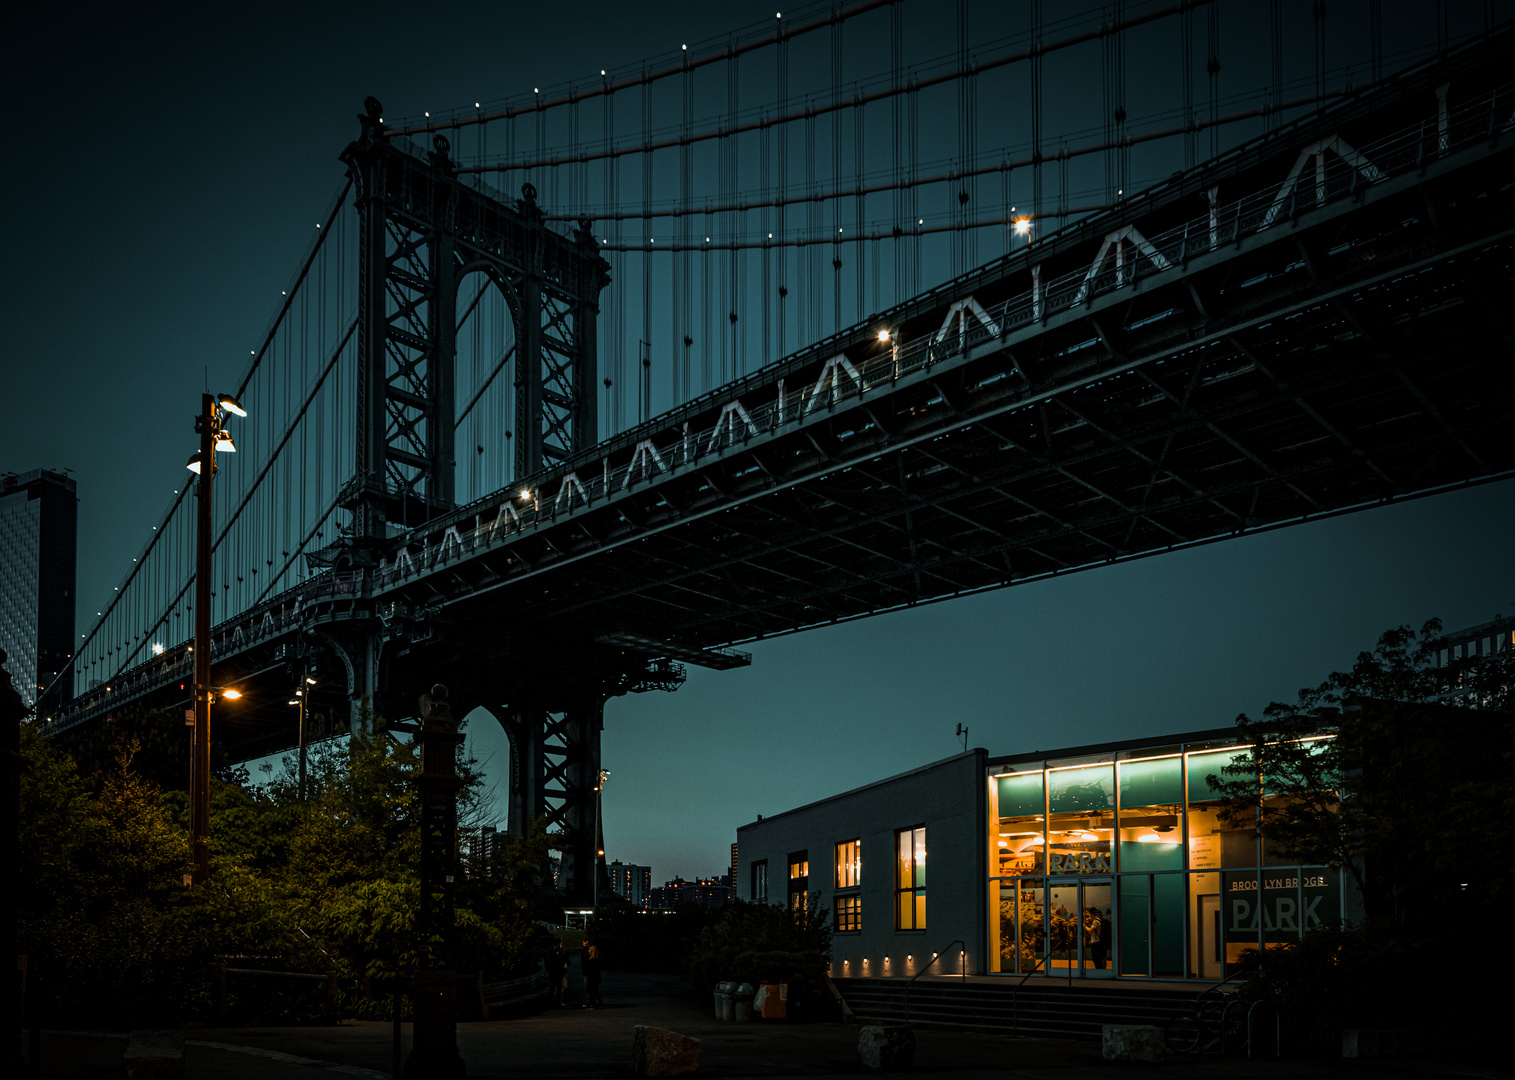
(557, 974)
(589, 964)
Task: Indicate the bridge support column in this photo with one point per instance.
(554, 773)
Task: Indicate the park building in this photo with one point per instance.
(1091, 862)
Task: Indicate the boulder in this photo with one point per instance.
(659, 1052)
(1133, 1043)
(886, 1047)
(154, 1055)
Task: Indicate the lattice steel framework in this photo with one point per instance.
(422, 231)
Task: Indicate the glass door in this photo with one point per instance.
(1081, 929)
(1064, 928)
(1098, 929)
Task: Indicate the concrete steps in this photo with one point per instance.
(1039, 1007)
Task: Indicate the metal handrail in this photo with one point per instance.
(1254, 1023)
(934, 958)
(1015, 1004)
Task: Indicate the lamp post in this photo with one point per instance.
(599, 840)
(299, 699)
(213, 437)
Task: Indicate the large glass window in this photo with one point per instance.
(1020, 810)
(1151, 811)
(1081, 819)
(910, 879)
(848, 864)
(760, 881)
(1215, 843)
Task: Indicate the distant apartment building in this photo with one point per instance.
(707, 892)
(1475, 662)
(631, 882)
(39, 512)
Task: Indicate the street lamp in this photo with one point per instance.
(213, 437)
(299, 699)
(599, 840)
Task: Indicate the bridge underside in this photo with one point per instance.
(1331, 366)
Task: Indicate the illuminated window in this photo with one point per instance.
(849, 914)
(910, 879)
(760, 881)
(848, 864)
(799, 881)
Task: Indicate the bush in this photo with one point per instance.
(764, 943)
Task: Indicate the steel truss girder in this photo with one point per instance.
(1247, 410)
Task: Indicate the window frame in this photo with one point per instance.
(853, 867)
(917, 920)
(847, 913)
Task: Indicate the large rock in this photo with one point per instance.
(1128, 1043)
(660, 1052)
(886, 1047)
(154, 1055)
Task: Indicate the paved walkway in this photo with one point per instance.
(580, 1043)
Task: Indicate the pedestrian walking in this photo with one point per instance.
(589, 964)
(557, 973)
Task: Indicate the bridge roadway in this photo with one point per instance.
(1314, 323)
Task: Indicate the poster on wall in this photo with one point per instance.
(1280, 903)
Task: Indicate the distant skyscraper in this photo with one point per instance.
(631, 882)
(39, 513)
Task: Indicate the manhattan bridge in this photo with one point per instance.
(824, 319)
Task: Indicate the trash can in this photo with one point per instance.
(776, 1003)
(723, 993)
(741, 1002)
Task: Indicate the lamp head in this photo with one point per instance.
(224, 443)
(193, 464)
(229, 403)
(231, 695)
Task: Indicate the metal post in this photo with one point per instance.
(199, 768)
(301, 700)
(434, 997)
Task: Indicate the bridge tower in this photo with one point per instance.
(422, 231)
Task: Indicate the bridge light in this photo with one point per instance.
(157, 648)
(883, 335)
(1022, 226)
(229, 403)
(525, 495)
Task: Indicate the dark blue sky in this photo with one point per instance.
(168, 170)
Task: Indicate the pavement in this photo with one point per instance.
(576, 1042)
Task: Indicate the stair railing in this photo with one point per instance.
(934, 958)
(1015, 1004)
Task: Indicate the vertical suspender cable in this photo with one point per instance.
(836, 174)
(1036, 119)
(781, 189)
(646, 247)
(734, 258)
(1212, 68)
(897, 146)
(1186, 58)
(1276, 61)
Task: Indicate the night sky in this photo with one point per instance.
(166, 172)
